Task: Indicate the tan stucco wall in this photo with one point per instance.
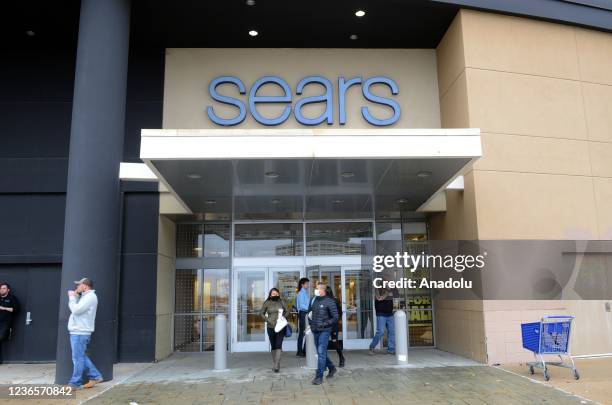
(541, 93)
(189, 72)
(165, 286)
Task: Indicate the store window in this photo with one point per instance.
(202, 240)
(338, 238)
(267, 240)
(200, 295)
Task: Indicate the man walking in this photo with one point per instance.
(324, 317)
(384, 318)
(302, 302)
(83, 304)
(9, 305)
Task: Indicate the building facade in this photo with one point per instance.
(188, 170)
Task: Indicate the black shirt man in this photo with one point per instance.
(9, 305)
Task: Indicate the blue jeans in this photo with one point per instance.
(81, 362)
(381, 322)
(321, 341)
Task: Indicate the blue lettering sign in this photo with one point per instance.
(327, 97)
(212, 90)
(285, 99)
(380, 100)
(254, 99)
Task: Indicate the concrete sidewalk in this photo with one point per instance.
(431, 377)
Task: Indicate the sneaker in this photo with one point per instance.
(372, 352)
(91, 383)
(391, 352)
(332, 372)
(317, 381)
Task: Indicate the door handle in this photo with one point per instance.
(28, 318)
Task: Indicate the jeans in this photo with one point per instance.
(381, 322)
(321, 341)
(301, 330)
(81, 362)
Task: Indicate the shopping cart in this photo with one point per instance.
(550, 336)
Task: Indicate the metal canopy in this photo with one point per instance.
(307, 174)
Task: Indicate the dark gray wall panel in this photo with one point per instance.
(32, 224)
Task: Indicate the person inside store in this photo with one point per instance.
(302, 302)
(273, 313)
(336, 341)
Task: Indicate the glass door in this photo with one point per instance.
(250, 294)
(252, 285)
(354, 288)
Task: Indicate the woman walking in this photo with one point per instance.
(271, 309)
(336, 328)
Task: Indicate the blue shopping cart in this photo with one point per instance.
(550, 336)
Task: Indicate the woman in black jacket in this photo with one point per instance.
(336, 328)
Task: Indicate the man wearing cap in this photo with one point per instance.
(83, 304)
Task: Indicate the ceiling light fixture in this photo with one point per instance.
(30, 33)
(338, 201)
(250, 2)
(347, 175)
(401, 201)
(253, 33)
(359, 13)
(271, 175)
(353, 37)
(210, 202)
(275, 201)
(194, 176)
(423, 174)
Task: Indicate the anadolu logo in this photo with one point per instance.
(287, 99)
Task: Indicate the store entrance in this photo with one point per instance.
(353, 286)
(252, 285)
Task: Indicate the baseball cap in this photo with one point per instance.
(85, 281)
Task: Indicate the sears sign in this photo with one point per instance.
(295, 104)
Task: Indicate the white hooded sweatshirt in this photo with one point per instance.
(83, 318)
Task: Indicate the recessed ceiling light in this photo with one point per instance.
(271, 175)
(275, 201)
(210, 202)
(253, 33)
(401, 201)
(423, 174)
(30, 33)
(359, 13)
(353, 37)
(338, 201)
(347, 175)
(194, 176)
(250, 2)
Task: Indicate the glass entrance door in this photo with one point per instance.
(354, 288)
(252, 285)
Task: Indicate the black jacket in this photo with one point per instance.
(324, 314)
(384, 307)
(9, 301)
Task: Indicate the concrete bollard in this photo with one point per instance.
(311, 351)
(220, 342)
(401, 337)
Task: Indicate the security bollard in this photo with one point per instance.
(401, 337)
(220, 342)
(311, 351)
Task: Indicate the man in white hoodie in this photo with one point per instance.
(83, 304)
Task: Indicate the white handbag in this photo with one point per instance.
(281, 322)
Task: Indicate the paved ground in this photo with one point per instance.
(431, 377)
(595, 378)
